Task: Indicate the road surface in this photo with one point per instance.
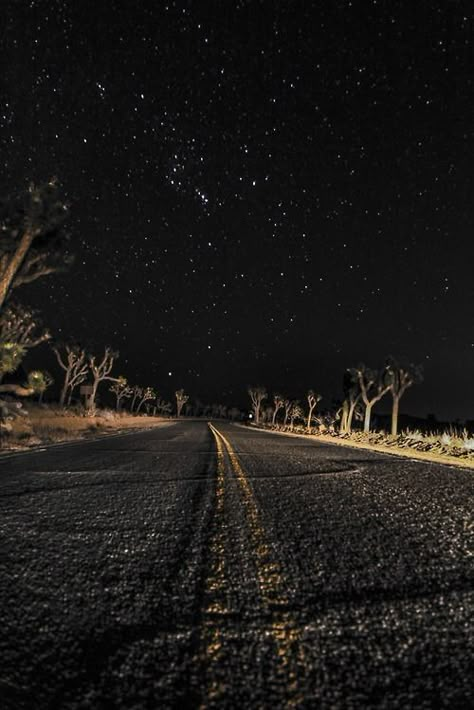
(217, 566)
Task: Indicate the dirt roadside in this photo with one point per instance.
(45, 425)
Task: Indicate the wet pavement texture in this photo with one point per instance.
(198, 565)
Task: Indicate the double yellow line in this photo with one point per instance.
(268, 570)
(281, 624)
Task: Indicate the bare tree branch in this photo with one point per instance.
(31, 242)
(101, 371)
(257, 395)
(75, 366)
(278, 403)
(181, 400)
(313, 400)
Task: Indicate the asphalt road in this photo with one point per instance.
(196, 567)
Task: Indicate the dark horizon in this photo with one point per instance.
(259, 194)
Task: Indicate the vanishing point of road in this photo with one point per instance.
(211, 565)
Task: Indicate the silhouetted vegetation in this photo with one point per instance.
(33, 244)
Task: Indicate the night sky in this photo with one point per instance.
(260, 192)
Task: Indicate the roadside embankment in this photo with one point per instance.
(44, 424)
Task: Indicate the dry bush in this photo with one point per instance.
(453, 442)
(107, 414)
(50, 433)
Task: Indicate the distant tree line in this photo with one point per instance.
(34, 244)
(363, 387)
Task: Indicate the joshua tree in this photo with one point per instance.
(148, 394)
(373, 386)
(218, 411)
(100, 372)
(401, 377)
(295, 413)
(121, 390)
(137, 393)
(75, 365)
(181, 400)
(11, 355)
(257, 395)
(352, 395)
(162, 407)
(267, 414)
(313, 399)
(288, 404)
(278, 403)
(18, 333)
(198, 408)
(39, 381)
(31, 240)
(20, 325)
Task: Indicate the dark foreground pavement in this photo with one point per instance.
(186, 567)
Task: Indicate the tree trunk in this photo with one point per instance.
(92, 396)
(15, 262)
(62, 396)
(350, 417)
(368, 410)
(343, 429)
(308, 425)
(395, 406)
(274, 417)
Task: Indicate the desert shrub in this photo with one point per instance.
(49, 433)
(107, 414)
(24, 436)
(93, 426)
(415, 435)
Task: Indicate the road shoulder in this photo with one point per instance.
(412, 454)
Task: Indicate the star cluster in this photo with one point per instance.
(260, 192)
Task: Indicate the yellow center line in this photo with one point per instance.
(216, 604)
(217, 579)
(268, 570)
(284, 629)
